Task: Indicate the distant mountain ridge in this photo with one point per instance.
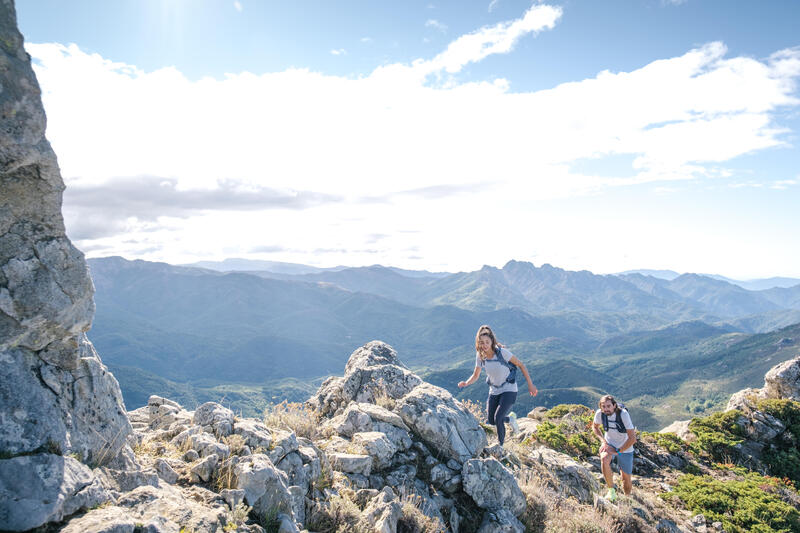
(194, 333)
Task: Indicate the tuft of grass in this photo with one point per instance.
(577, 442)
(413, 519)
(298, 417)
(235, 442)
(339, 514)
(569, 409)
(237, 517)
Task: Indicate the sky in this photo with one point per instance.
(588, 134)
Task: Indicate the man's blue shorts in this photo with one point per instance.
(624, 460)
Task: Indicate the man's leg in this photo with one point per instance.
(625, 461)
(627, 483)
(605, 460)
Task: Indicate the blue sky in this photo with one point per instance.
(595, 135)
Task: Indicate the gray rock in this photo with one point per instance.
(372, 371)
(54, 391)
(444, 425)
(265, 487)
(154, 509)
(292, 465)
(381, 513)
(743, 400)
(574, 479)
(667, 526)
(37, 489)
(215, 417)
(350, 463)
(191, 456)
(492, 486)
(298, 496)
(783, 381)
(165, 471)
(500, 521)
(377, 446)
(232, 497)
(126, 480)
(681, 429)
(256, 435)
(202, 471)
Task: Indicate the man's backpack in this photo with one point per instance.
(512, 369)
(620, 425)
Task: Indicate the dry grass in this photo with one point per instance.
(339, 514)
(413, 519)
(550, 512)
(477, 409)
(300, 418)
(235, 442)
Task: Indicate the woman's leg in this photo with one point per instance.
(505, 402)
(491, 406)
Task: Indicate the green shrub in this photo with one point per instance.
(750, 503)
(565, 438)
(568, 408)
(787, 411)
(783, 463)
(669, 441)
(717, 435)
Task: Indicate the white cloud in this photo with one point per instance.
(784, 184)
(366, 39)
(237, 5)
(497, 39)
(682, 118)
(492, 5)
(338, 52)
(433, 23)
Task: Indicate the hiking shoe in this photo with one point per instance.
(611, 495)
(512, 419)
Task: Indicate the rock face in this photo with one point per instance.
(55, 394)
(783, 381)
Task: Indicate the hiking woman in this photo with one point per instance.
(501, 368)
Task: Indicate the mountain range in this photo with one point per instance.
(260, 336)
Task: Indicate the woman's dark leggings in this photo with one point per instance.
(497, 408)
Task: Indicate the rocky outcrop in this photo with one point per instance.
(56, 397)
(783, 381)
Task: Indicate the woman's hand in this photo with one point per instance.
(462, 384)
(532, 389)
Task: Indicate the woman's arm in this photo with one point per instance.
(531, 387)
(471, 379)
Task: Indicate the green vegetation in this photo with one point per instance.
(783, 458)
(717, 435)
(669, 441)
(572, 434)
(751, 502)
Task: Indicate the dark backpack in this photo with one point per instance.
(620, 425)
(512, 369)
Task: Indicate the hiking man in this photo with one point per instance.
(613, 426)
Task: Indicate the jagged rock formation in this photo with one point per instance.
(56, 397)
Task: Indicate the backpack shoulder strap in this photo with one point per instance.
(620, 424)
(604, 418)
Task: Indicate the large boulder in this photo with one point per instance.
(55, 394)
(372, 372)
(443, 423)
(265, 487)
(492, 486)
(574, 479)
(37, 489)
(783, 381)
(214, 418)
(155, 509)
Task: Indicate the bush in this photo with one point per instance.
(669, 441)
(567, 439)
(569, 409)
(717, 435)
(750, 503)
